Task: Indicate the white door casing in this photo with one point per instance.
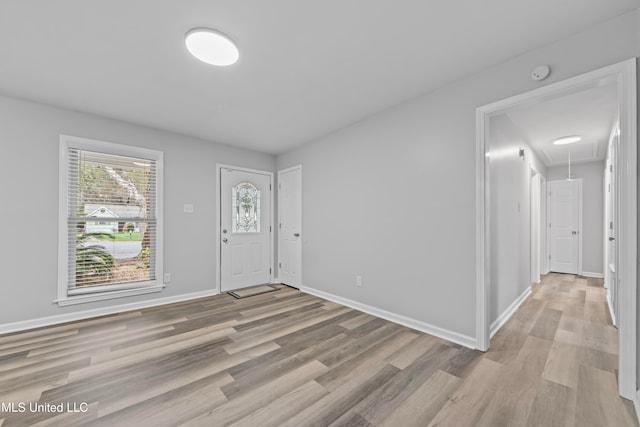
(245, 228)
(289, 226)
(564, 226)
(544, 260)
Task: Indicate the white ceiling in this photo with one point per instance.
(307, 68)
(589, 112)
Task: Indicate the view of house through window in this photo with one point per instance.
(112, 224)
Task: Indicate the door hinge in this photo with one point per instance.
(270, 229)
(611, 168)
(269, 187)
(280, 264)
(279, 186)
(280, 225)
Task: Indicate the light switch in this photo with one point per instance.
(188, 208)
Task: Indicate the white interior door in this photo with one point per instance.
(564, 210)
(611, 281)
(289, 223)
(245, 229)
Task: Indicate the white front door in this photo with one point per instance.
(245, 228)
(289, 223)
(564, 210)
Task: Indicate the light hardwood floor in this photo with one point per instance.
(290, 359)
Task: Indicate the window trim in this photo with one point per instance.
(66, 142)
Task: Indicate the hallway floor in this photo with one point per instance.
(556, 360)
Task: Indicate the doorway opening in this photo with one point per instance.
(537, 224)
(610, 219)
(622, 77)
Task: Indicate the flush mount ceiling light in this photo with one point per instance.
(567, 140)
(211, 46)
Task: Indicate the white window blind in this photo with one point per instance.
(111, 220)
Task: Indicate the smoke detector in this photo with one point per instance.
(540, 73)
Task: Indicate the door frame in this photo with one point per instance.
(624, 74)
(280, 172)
(219, 167)
(580, 233)
(544, 259)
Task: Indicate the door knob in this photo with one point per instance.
(225, 240)
(296, 234)
(611, 239)
(574, 232)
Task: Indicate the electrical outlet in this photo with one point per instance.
(188, 208)
(167, 277)
(359, 281)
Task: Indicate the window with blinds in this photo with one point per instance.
(111, 211)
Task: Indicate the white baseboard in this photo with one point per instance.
(613, 316)
(87, 314)
(418, 325)
(590, 274)
(506, 315)
(636, 403)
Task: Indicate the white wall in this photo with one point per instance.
(510, 214)
(592, 175)
(29, 137)
(392, 198)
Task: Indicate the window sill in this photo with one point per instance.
(81, 299)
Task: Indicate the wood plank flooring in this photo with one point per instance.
(290, 359)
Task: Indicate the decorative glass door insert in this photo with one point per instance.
(245, 208)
